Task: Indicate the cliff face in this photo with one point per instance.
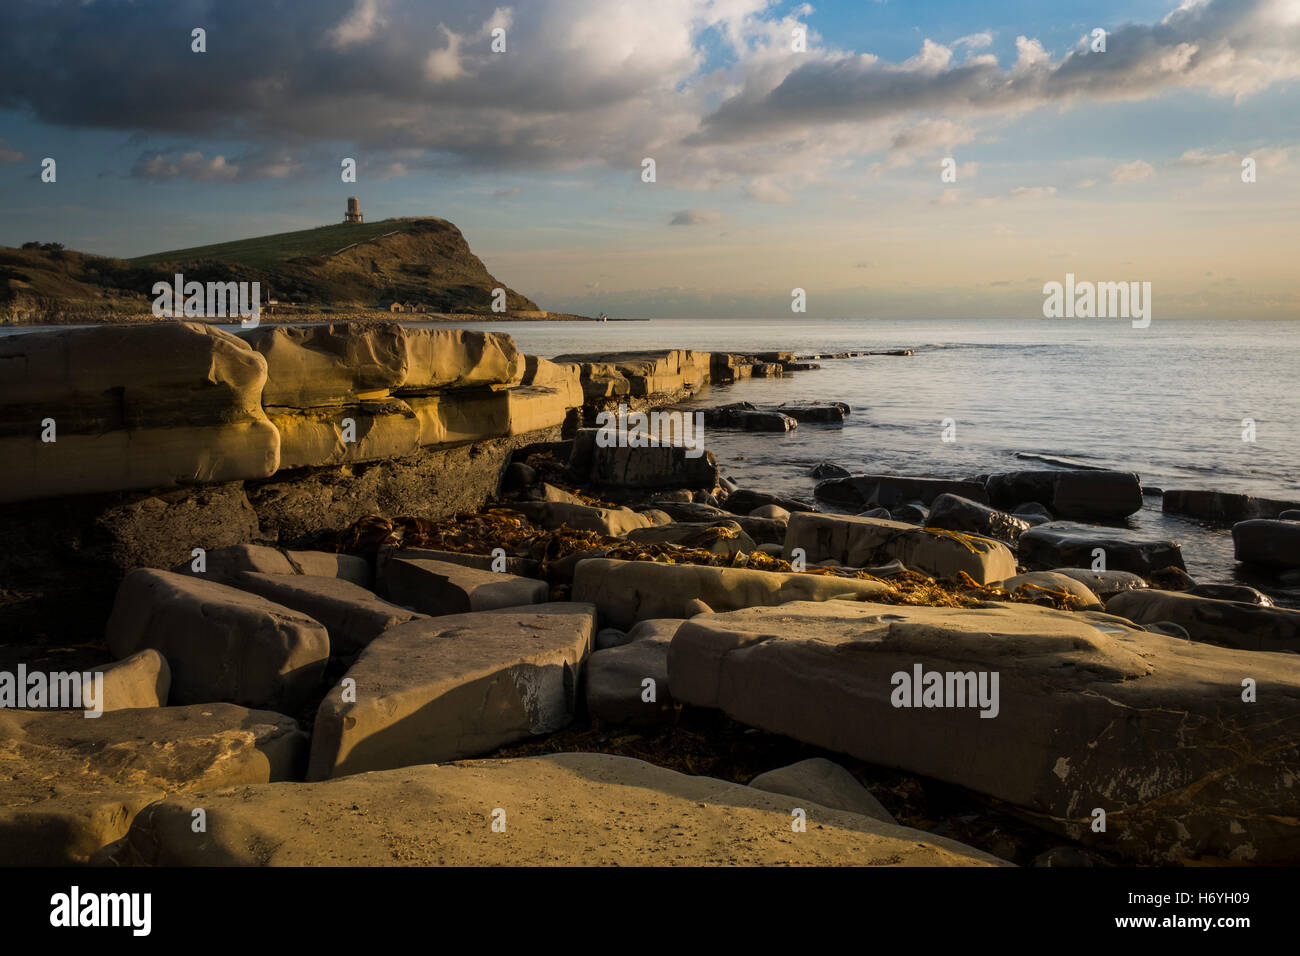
(417, 261)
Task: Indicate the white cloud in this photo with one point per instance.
(1134, 172)
(365, 20)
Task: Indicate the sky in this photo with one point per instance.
(778, 165)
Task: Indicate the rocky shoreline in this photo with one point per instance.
(375, 595)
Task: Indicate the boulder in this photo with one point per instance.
(141, 680)
(912, 513)
(743, 501)
(222, 644)
(614, 522)
(1065, 544)
(1221, 506)
(69, 786)
(628, 591)
(561, 809)
(890, 491)
(226, 564)
(1250, 627)
(459, 358)
(442, 587)
(961, 514)
(718, 537)
(1089, 712)
(824, 783)
(1269, 543)
(745, 417)
(132, 407)
(763, 530)
(828, 469)
(616, 678)
(351, 614)
(649, 466)
(1104, 584)
(1026, 585)
(860, 542)
(457, 686)
(770, 511)
(1082, 493)
(829, 414)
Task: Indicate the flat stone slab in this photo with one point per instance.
(443, 587)
(629, 591)
(1090, 713)
(354, 616)
(1222, 506)
(557, 810)
(451, 687)
(863, 542)
(1269, 543)
(1104, 584)
(222, 644)
(1239, 624)
(1064, 544)
(69, 785)
(524, 567)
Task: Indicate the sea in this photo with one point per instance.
(1202, 404)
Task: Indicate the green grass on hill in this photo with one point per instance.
(268, 251)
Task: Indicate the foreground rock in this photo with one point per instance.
(825, 783)
(629, 591)
(861, 542)
(1090, 713)
(1086, 494)
(224, 565)
(222, 644)
(1064, 544)
(614, 522)
(69, 785)
(1250, 627)
(565, 809)
(1267, 543)
(1035, 583)
(141, 680)
(451, 687)
(1104, 584)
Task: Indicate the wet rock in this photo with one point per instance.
(1104, 584)
(1171, 579)
(445, 688)
(746, 417)
(69, 786)
(1065, 544)
(440, 587)
(833, 413)
(890, 491)
(1232, 592)
(630, 591)
(746, 502)
(1223, 507)
(1291, 514)
(222, 644)
(1085, 493)
(1250, 627)
(859, 542)
(1033, 512)
(877, 513)
(1269, 543)
(828, 470)
(913, 513)
(961, 514)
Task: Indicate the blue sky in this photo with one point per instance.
(818, 169)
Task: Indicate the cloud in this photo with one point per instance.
(764, 190)
(365, 20)
(193, 166)
(1133, 172)
(696, 217)
(8, 155)
(976, 41)
(1033, 192)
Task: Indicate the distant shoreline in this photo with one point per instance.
(306, 318)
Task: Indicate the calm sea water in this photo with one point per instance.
(1167, 401)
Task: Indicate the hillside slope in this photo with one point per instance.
(425, 261)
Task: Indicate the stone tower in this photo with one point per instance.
(354, 210)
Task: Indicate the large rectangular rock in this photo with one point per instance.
(444, 587)
(69, 786)
(563, 377)
(142, 407)
(450, 687)
(1088, 713)
(339, 434)
(222, 644)
(353, 615)
(225, 564)
(890, 491)
(337, 364)
(1236, 624)
(864, 542)
(459, 358)
(1081, 493)
(1267, 542)
(629, 591)
(1223, 506)
(658, 466)
(1062, 544)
